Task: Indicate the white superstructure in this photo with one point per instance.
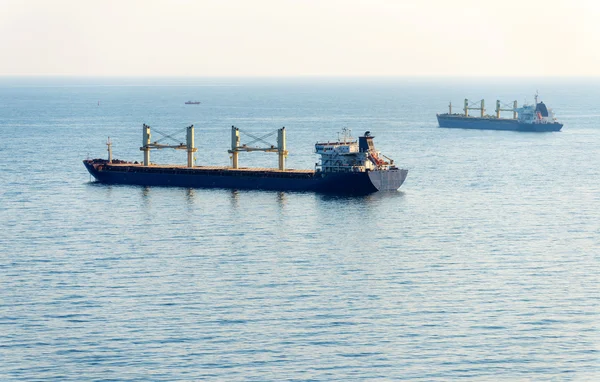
(350, 155)
(536, 113)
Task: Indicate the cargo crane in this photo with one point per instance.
(188, 146)
(237, 147)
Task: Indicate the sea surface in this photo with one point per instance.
(485, 265)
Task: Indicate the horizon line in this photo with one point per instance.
(288, 76)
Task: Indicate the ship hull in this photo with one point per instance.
(462, 122)
(258, 179)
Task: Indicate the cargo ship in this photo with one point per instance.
(533, 118)
(192, 102)
(346, 166)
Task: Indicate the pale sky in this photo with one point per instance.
(300, 37)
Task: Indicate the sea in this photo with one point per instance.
(484, 265)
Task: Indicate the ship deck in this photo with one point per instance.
(210, 168)
(485, 117)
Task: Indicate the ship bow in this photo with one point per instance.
(389, 180)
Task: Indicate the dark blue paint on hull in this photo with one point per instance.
(458, 122)
(339, 183)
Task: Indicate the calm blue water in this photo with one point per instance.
(485, 265)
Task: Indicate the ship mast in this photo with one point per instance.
(109, 144)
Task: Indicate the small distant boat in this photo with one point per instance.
(192, 102)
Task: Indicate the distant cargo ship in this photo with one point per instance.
(347, 166)
(192, 102)
(536, 118)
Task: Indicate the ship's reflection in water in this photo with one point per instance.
(146, 195)
(234, 196)
(238, 198)
(190, 195)
(369, 198)
(279, 197)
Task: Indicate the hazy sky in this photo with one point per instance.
(300, 37)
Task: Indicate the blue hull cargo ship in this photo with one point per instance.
(347, 166)
(532, 118)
